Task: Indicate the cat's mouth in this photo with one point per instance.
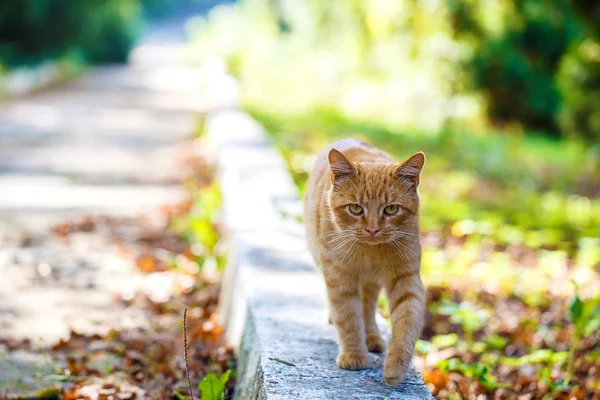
(367, 239)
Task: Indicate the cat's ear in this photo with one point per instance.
(411, 168)
(340, 166)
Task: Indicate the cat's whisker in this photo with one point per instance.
(405, 239)
(340, 246)
(406, 233)
(350, 245)
(343, 248)
(407, 250)
(335, 233)
(334, 240)
(402, 243)
(398, 248)
(404, 248)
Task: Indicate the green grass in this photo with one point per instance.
(504, 211)
(533, 161)
(525, 189)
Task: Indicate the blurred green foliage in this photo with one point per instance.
(532, 64)
(515, 66)
(585, 316)
(159, 9)
(313, 72)
(579, 83)
(82, 31)
(528, 190)
(465, 315)
(542, 67)
(33, 31)
(200, 226)
(479, 371)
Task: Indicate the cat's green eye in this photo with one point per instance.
(355, 209)
(392, 209)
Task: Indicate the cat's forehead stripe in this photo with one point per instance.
(372, 163)
(376, 186)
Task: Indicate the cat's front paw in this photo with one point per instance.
(375, 343)
(393, 376)
(352, 361)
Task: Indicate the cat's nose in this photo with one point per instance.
(373, 231)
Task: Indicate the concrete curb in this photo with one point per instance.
(273, 301)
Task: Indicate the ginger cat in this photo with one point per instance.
(361, 213)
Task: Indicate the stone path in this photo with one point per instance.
(109, 143)
(104, 143)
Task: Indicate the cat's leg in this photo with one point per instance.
(407, 307)
(369, 294)
(346, 312)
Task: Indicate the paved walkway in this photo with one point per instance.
(102, 144)
(110, 143)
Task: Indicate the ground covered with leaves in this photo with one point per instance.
(511, 254)
(177, 249)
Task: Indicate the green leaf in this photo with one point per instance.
(576, 309)
(423, 346)
(225, 377)
(559, 357)
(593, 356)
(443, 341)
(213, 388)
(181, 396)
(540, 356)
(496, 342)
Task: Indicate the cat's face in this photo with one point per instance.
(374, 202)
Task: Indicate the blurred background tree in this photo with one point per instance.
(84, 31)
(33, 31)
(579, 76)
(515, 67)
(531, 64)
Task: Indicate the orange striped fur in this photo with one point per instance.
(361, 253)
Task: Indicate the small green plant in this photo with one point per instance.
(585, 316)
(479, 371)
(466, 315)
(211, 387)
(199, 224)
(545, 359)
(199, 227)
(541, 356)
